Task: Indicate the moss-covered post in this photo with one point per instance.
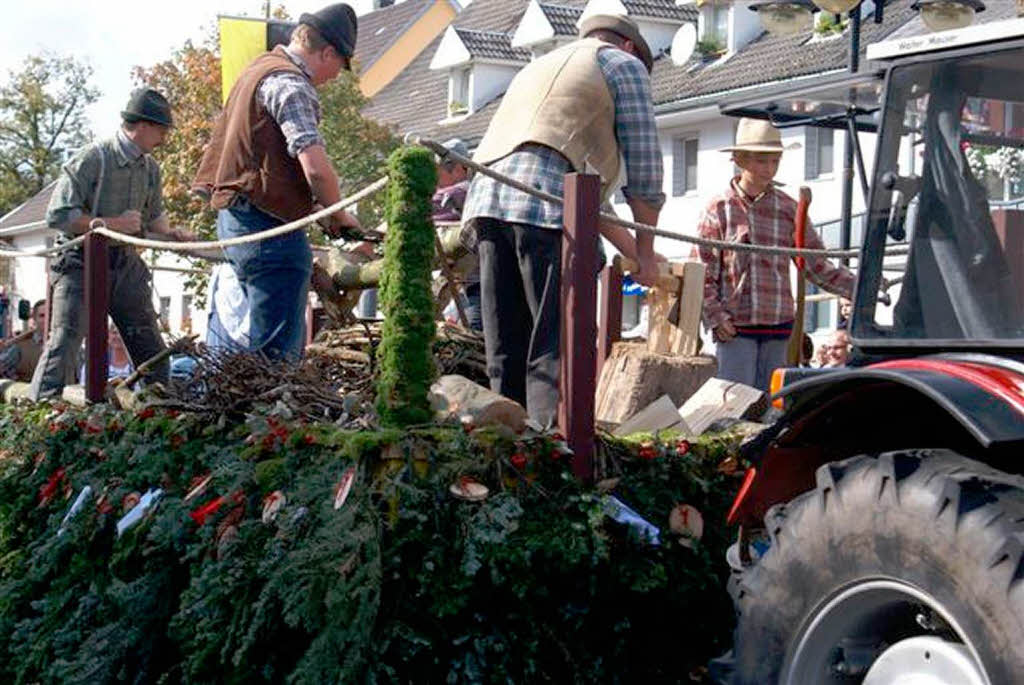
(404, 356)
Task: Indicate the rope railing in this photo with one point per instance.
(192, 246)
(449, 155)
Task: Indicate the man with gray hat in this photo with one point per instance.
(448, 201)
(267, 165)
(117, 183)
(748, 302)
(582, 107)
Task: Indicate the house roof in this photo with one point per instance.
(492, 45)
(562, 18)
(33, 210)
(379, 30)
(767, 59)
(417, 100)
(661, 9)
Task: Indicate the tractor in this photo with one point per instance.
(881, 524)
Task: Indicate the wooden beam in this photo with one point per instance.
(97, 304)
(578, 353)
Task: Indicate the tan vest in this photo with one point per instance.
(560, 100)
(248, 154)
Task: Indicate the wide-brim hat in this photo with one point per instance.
(758, 135)
(625, 27)
(337, 24)
(147, 104)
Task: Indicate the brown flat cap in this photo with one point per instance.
(625, 27)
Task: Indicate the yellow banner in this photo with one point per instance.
(241, 41)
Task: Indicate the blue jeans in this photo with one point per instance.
(275, 276)
(751, 360)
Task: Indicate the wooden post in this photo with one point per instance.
(578, 354)
(611, 312)
(97, 296)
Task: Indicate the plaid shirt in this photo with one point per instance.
(293, 103)
(749, 288)
(106, 178)
(544, 168)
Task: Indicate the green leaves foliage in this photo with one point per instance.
(403, 583)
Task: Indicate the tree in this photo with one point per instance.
(42, 118)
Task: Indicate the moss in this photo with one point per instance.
(407, 335)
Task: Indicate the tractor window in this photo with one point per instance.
(948, 207)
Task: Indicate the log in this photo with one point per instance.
(456, 397)
(717, 399)
(659, 415)
(633, 378)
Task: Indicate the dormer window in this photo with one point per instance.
(458, 91)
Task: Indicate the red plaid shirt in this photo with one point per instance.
(748, 288)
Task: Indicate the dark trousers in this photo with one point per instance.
(131, 308)
(520, 300)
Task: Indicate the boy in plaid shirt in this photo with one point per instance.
(748, 303)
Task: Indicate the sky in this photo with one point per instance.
(116, 35)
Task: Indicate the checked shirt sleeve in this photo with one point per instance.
(294, 105)
(837, 280)
(710, 227)
(630, 86)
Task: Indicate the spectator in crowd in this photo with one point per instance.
(117, 182)
(18, 360)
(586, 105)
(267, 164)
(748, 301)
(835, 351)
(448, 201)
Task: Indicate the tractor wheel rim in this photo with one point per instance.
(855, 615)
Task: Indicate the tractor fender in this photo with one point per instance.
(983, 395)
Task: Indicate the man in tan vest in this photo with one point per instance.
(584, 107)
(267, 165)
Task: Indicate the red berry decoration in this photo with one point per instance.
(648, 450)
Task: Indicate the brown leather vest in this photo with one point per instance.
(248, 155)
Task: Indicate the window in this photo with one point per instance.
(684, 165)
(818, 152)
(458, 92)
(165, 312)
(719, 25)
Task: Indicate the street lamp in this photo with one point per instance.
(943, 15)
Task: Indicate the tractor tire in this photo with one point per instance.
(911, 545)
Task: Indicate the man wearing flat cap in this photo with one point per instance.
(267, 165)
(584, 107)
(748, 302)
(117, 183)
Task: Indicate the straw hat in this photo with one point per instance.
(757, 135)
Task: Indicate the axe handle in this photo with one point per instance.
(796, 340)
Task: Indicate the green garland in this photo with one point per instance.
(407, 367)
(403, 583)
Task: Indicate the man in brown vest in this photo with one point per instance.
(584, 107)
(267, 165)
